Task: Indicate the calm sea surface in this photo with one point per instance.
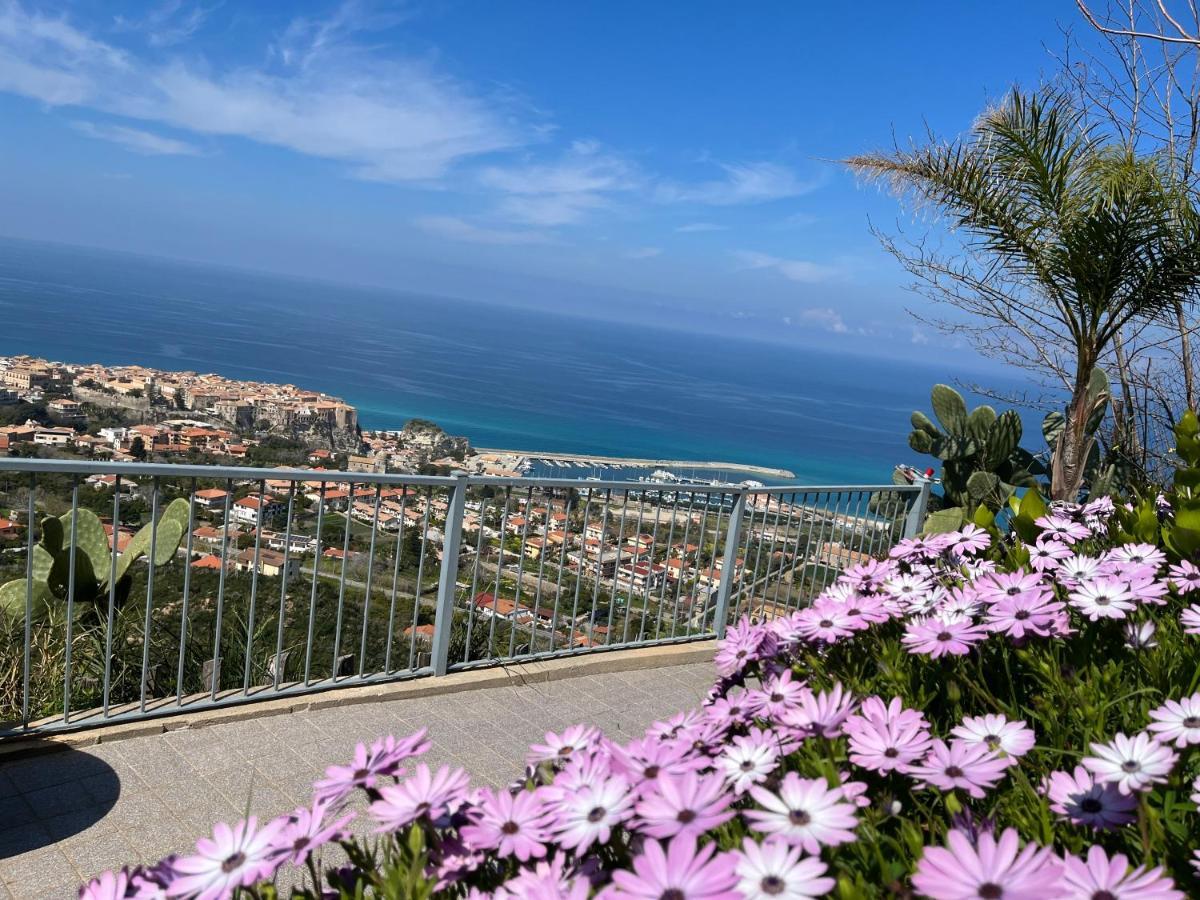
(503, 377)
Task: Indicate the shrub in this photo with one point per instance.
(978, 715)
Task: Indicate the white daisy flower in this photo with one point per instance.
(1131, 763)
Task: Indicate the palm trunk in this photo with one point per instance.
(1073, 446)
(1185, 355)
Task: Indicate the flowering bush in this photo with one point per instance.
(981, 714)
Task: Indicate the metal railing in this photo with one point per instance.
(134, 590)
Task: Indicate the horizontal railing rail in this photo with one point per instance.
(134, 590)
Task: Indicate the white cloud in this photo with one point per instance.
(801, 270)
(644, 253)
(919, 336)
(457, 229)
(171, 22)
(695, 227)
(562, 192)
(743, 183)
(386, 120)
(824, 317)
(137, 140)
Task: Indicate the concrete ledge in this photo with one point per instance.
(520, 673)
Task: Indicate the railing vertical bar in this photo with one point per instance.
(277, 665)
(562, 559)
(537, 597)
(443, 618)
(262, 499)
(416, 619)
(614, 591)
(648, 587)
(499, 572)
(791, 556)
(591, 635)
(341, 602)
(362, 647)
(512, 631)
(475, 578)
(683, 557)
(312, 599)
(634, 563)
(110, 613)
(399, 554)
(30, 513)
(744, 548)
(73, 551)
(783, 554)
(733, 529)
(150, 573)
(718, 548)
(574, 624)
(662, 591)
(187, 592)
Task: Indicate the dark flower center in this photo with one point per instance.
(233, 863)
(944, 636)
(361, 774)
(1130, 765)
(826, 623)
(1103, 601)
(672, 894)
(799, 817)
(777, 697)
(891, 752)
(686, 816)
(1091, 805)
(954, 771)
(510, 827)
(1021, 614)
(772, 884)
(565, 751)
(1191, 722)
(301, 843)
(1104, 895)
(597, 814)
(651, 771)
(990, 890)
(1012, 591)
(747, 765)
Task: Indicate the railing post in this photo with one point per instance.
(733, 540)
(444, 616)
(916, 513)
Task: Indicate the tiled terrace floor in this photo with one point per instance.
(68, 816)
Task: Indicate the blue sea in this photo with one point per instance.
(504, 377)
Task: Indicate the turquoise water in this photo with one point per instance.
(504, 377)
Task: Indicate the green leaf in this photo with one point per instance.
(921, 422)
(944, 520)
(14, 594)
(92, 541)
(982, 486)
(1052, 426)
(1032, 505)
(949, 408)
(984, 517)
(51, 535)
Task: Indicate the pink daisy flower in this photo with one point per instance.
(746, 762)
(1185, 576)
(990, 867)
(1138, 555)
(1081, 800)
(1177, 721)
(970, 540)
(779, 693)
(1099, 876)
(1013, 739)
(509, 824)
(369, 765)
(680, 872)
(589, 815)
(972, 767)
(773, 870)
(936, 636)
(232, 858)
(826, 625)
(1140, 635)
(1001, 585)
(559, 747)
(1131, 763)
(1023, 615)
(1103, 598)
(1058, 528)
(687, 803)
(1190, 619)
(822, 713)
(806, 812)
(307, 830)
(1046, 555)
(646, 759)
(1149, 590)
(1075, 570)
(425, 795)
(109, 886)
(886, 739)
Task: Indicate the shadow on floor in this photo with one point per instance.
(51, 796)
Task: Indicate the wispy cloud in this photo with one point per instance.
(385, 119)
(644, 253)
(457, 229)
(561, 192)
(170, 23)
(824, 317)
(756, 182)
(137, 140)
(802, 270)
(695, 227)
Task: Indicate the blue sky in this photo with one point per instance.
(666, 162)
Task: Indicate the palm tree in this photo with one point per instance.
(1074, 237)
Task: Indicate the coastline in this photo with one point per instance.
(634, 462)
